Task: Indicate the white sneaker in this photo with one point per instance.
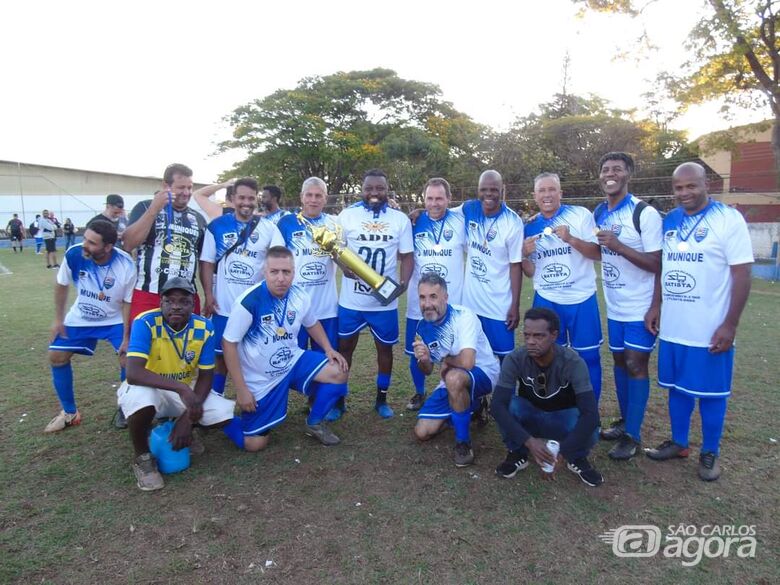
(62, 421)
(146, 474)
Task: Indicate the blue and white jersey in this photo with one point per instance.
(377, 237)
(628, 289)
(439, 246)
(459, 329)
(695, 275)
(100, 288)
(243, 267)
(315, 270)
(266, 331)
(277, 215)
(492, 244)
(562, 274)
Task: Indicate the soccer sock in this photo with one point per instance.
(218, 383)
(418, 378)
(235, 432)
(713, 416)
(638, 393)
(593, 361)
(325, 399)
(680, 409)
(460, 421)
(62, 378)
(382, 384)
(621, 388)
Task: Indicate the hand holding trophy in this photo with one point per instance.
(330, 239)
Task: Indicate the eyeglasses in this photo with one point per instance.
(540, 385)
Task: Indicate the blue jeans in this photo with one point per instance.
(546, 425)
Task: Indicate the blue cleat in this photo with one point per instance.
(384, 410)
(335, 413)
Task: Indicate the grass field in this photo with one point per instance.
(379, 508)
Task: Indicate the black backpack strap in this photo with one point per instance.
(637, 213)
(244, 237)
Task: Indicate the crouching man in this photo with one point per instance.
(452, 336)
(261, 352)
(544, 392)
(168, 347)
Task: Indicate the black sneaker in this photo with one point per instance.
(709, 469)
(513, 463)
(586, 471)
(667, 450)
(120, 422)
(625, 449)
(464, 454)
(416, 402)
(616, 430)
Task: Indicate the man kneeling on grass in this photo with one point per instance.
(167, 346)
(260, 346)
(543, 393)
(452, 336)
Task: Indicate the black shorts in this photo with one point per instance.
(16, 237)
(51, 244)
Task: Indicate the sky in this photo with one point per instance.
(131, 87)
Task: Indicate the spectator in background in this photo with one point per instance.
(113, 212)
(35, 232)
(272, 196)
(15, 230)
(69, 231)
(48, 226)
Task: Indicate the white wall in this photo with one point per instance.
(762, 236)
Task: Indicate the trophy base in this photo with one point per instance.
(388, 291)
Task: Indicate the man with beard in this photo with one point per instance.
(234, 247)
(103, 277)
(272, 196)
(113, 212)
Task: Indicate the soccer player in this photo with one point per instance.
(630, 239)
(558, 253)
(494, 273)
(37, 234)
(15, 230)
(211, 208)
(104, 278)
(234, 247)
(439, 245)
(48, 226)
(705, 277)
(272, 196)
(264, 360)
(379, 235)
(168, 347)
(315, 270)
(169, 237)
(451, 335)
(544, 393)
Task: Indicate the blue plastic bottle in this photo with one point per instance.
(168, 460)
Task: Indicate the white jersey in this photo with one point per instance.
(562, 274)
(100, 289)
(377, 237)
(266, 331)
(439, 246)
(695, 274)
(628, 289)
(492, 244)
(459, 329)
(315, 270)
(243, 267)
(277, 215)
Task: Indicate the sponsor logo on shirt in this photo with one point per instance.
(439, 269)
(448, 234)
(109, 282)
(229, 238)
(677, 282)
(298, 234)
(491, 234)
(473, 225)
(700, 233)
(313, 271)
(253, 237)
(421, 236)
(241, 271)
(91, 312)
(670, 234)
(616, 229)
(281, 358)
(555, 273)
(266, 319)
(609, 272)
(290, 316)
(478, 267)
(375, 226)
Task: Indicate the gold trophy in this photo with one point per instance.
(330, 239)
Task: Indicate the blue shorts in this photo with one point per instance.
(272, 408)
(501, 339)
(411, 331)
(331, 327)
(631, 335)
(438, 403)
(219, 322)
(694, 370)
(83, 340)
(383, 324)
(580, 322)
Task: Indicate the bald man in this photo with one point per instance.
(703, 288)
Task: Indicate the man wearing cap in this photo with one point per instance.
(113, 212)
(169, 347)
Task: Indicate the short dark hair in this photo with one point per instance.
(433, 279)
(438, 182)
(274, 190)
(278, 252)
(375, 173)
(621, 156)
(105, 229)
(246, 182)
(175, 169)
(541, 314)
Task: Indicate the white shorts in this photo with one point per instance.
(131, 399)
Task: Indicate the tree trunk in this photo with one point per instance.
(776, 148)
